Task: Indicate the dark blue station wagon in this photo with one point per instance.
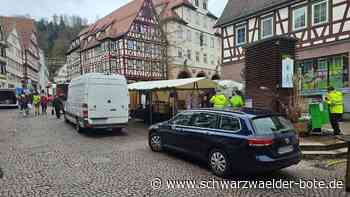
(245, 140)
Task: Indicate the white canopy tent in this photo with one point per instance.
(230, 84)
(179, 84)
(170, 86)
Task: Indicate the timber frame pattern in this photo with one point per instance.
(337, 28)
(138, 54)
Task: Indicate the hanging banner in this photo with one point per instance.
(287, 72)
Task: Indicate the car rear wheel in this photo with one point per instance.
(219, 163)
(155, 142)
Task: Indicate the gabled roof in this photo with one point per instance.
(168, 10)
(237, 9)
(118, 22)
(24, 26)
(169, 6)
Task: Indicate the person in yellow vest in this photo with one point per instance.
(36, 103)
(237, 100)
(219, 100)
(334, 99)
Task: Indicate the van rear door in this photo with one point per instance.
(108, 101)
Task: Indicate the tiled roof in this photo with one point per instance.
(119, 22)
(24, 26)
(236, 9)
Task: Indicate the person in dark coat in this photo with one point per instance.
(57, 105)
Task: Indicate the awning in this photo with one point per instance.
(230, 84)
(190, 83)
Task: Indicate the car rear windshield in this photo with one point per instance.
(271, 125)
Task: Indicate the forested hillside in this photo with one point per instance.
(55, 36)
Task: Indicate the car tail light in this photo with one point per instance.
(85, 110)
(260, 142)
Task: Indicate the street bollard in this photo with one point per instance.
(346, 138)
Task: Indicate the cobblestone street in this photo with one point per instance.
(42, 156)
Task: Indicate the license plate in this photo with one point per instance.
(285, 149)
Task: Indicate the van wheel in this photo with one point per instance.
(219, 163)
(66, 119)
(77, 127)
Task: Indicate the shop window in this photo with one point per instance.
(319, 73)
(338, 72)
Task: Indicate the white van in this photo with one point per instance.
(97, 100)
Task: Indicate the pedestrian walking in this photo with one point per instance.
(25, 104)
(36, 103)
(20, 103)
(29, 101)
(44, 102)
(334, 99)
(57, 105)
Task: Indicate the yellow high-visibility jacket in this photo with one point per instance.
(335, 101)
(237, 101)
(219, 101)
(36, 100)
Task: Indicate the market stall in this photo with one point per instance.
(156, 101)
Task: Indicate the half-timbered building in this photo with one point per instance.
(129, 41)
(322, 28)
(27, 50)
(3, 61)
(14, 68)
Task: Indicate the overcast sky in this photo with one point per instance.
(90, 9)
